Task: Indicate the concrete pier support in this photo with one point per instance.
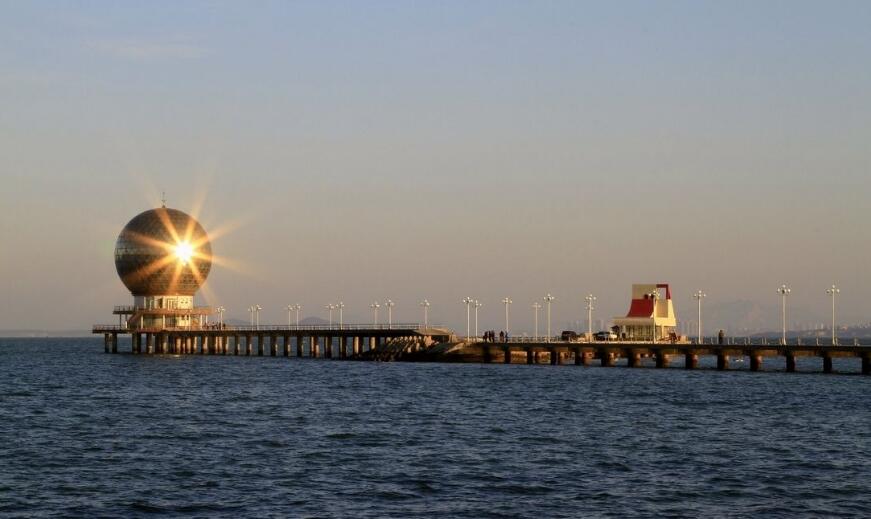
(328, 347)
(259, 344)
(691, 361)
(790, 363)
(313, 347)
(579, 360)
(634, 359)
(530, 356)
(286, 346)
(299, 345)
(273, 345)
(755, 362)
(507, 352)
(236, 346)
(554, 357)
(249, 345)
(722, 362)
(356, 345)
(606, 358)
(343, 347)
(536, 357)
(149, 343)
(661, 360)
(205, 345)
(827, 364)
(373, 343)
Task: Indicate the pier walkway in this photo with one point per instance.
(416, 342)
(296, 340)
(607, 354)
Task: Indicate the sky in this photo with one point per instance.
(359, 151)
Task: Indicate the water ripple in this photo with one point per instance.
(88, 434)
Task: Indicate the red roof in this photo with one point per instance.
(641, 308)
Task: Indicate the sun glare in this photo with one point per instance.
(184, 251)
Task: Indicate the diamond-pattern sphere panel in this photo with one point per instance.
(163, 252)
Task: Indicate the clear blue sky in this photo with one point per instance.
(440, 149)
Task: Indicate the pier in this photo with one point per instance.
(414, 342)
(328, 341)
(662, 355)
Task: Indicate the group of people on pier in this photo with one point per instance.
(490, 336)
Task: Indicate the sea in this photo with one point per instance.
(89, 434)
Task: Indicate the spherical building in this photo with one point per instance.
(163, 257)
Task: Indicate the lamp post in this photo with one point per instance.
(330, 307)
(375, 306)
(655, 297)
(590, 299)
(251, 314)
(784, 292)
(289, 309)
(220, 311)
(507, 301)
(536, 306)
(297, 307)
(257, 309)
(833, 292)
(341, 307)
(425, 304)
(468, 302)
(389, 304)
(548, 299)
(698, 296)
(478, 305)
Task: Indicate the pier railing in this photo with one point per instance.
(110, 328)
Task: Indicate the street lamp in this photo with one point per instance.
(507, 301)
(425, 304)
(698, 296)
(548, 299)
(655, 297)
(251, 314)
(833, 292)
(784, 292)
(468, 302)
(389, 304)
(257, 309)
(590, 299)
(536, 307)
(341, 307)
(220, 311)
(330, 307)
(297, 307)
(289, 309)
(375, 306)
(478, 305)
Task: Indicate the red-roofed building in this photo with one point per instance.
(649, 314)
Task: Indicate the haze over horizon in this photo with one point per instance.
(359, 152)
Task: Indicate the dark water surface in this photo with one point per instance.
(83, 433)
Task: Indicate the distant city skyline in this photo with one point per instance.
(359, 152)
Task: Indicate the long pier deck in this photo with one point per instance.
(354, 341)
(296, 340)
(607, 354)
